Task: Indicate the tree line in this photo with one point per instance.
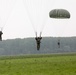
(28, 46)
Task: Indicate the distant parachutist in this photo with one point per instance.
(58, 43)
(1, 35)
(38, 41)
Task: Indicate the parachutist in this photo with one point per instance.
(38, 41)
(1, 35)
(58, 44)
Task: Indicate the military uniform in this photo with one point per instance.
(1, 35)
(38, 41)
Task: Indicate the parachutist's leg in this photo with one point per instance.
(38, 46)
(0, 38)
(58, 45)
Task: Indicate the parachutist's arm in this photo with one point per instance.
(36, 38)
(40, 34)
(1, 32)
(41, 37)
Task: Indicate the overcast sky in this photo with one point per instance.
(22, 24)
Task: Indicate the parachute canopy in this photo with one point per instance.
(38, 13)
(6, 7)
(59, 13)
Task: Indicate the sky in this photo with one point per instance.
(21, 19)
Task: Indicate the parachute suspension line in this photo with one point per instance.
(43, 7)
(37, 9)
(7, 17)
(36, 34)
(45, 20)
(39, 14)
(29, 16)
(40, 34)
(43, 26)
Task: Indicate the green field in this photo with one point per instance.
(50, 64)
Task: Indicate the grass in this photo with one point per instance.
(50, 64)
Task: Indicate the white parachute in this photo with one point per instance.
(38, 12)
(6, 7)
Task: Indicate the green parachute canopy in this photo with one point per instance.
(59, 14)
